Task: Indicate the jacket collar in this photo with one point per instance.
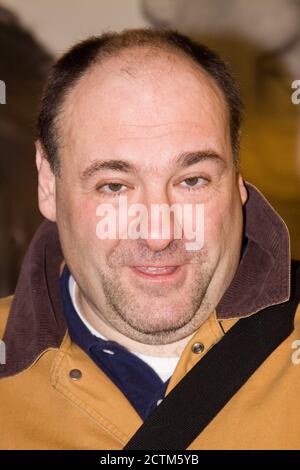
(263, 276)
(36, 321)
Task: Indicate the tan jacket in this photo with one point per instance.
(42, 407)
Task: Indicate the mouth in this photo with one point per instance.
(158, 273)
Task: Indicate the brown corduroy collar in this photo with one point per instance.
(36, 321)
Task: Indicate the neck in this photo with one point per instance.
(105, 329)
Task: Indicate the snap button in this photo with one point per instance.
(75, 374)
(159, 402)
(198, 348)
(108, 351)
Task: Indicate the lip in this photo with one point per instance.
(167, 274)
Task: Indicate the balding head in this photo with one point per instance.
(78, 61)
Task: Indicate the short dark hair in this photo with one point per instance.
(74, 64)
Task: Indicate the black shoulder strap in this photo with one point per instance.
(213, 381)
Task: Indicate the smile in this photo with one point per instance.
(157, 272)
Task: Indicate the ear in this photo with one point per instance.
(242, 189)
(46, 184)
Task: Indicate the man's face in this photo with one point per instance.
(151, 115)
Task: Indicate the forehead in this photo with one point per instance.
(139, 97)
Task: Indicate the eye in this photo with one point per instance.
(111, 188)
(194, 182)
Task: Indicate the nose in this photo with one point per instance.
(161, 221)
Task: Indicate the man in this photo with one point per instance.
(102, 328)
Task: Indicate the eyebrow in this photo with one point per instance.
(115, 165)
(187, 159)
(183, 160)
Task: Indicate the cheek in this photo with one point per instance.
(77, 225)
(213, 226)
(84, 221)
(77, 220)
(222, 224)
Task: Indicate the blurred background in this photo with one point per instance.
(259, 39)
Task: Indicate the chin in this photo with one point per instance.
(165, 322)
